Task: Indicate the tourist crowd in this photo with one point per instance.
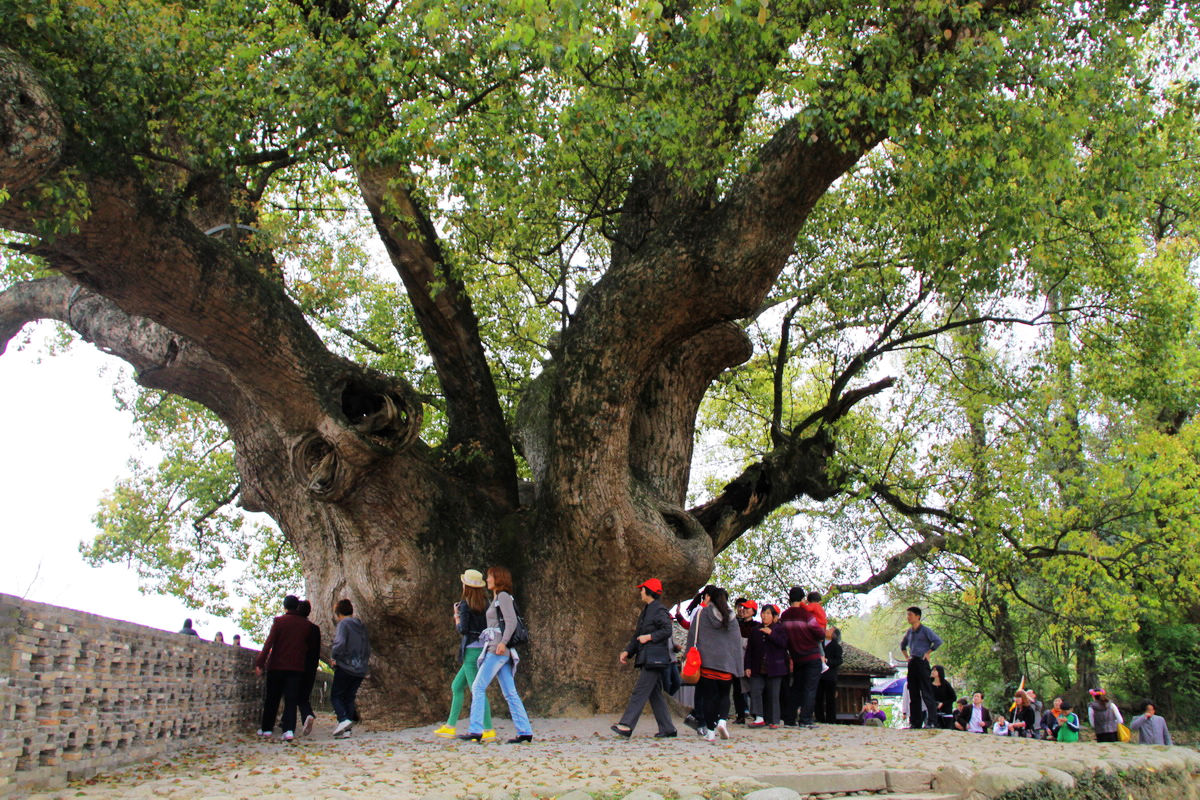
(739, 663)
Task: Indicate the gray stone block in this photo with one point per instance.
(843, 781)
(774, 793)
(575, 794)
(909, 780)
(952, 778)
(995, 781)
(643, 794)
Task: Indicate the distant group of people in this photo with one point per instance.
(289, 660)
(930, 702)
(219, 638)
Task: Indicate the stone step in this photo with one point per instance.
(850, 781)
(889, 796)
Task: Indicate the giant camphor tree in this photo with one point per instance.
(585, 205)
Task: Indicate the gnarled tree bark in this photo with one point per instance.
(331, 450)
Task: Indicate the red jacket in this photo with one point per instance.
(287, 644)
(805, 634)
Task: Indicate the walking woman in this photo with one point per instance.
(1103, 716)
(720, 643)
(498, 660)
(651, 651)
(470, 621)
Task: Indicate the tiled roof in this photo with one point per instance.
(860, 662)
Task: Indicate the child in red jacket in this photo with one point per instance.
(816, 609)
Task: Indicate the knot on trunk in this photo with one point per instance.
(317, 466)
(388, 418)
(379, 421)
(31, 129)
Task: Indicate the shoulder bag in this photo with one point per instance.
(690, 674)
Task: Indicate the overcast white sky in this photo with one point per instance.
(64, 446)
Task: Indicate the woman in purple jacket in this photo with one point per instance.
(766, 665)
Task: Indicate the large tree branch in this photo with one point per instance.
(161, 358)
(797, 467)
(151, 260)
(449, 326)
(717, 263)
(660, 451)
(932, 541)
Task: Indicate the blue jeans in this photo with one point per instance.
(495, 666)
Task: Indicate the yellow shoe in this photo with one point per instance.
(446, 732)
(488, 735)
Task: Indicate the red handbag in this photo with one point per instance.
(690, 674)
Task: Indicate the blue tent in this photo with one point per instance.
(895, 687)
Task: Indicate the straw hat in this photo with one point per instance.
(473, 577)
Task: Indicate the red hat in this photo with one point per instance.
(750, 604)
(653, 584)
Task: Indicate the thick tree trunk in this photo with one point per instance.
(1087, 674)
(1006, 644)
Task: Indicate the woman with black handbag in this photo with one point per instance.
(499, 659)
(651, 651)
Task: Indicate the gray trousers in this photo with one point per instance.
(648, 687)
(764, 697)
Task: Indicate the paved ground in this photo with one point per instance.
(568, 755)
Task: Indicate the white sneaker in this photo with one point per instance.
(288, 736)
(702, 732)
(343, 726)
(309, 721)
(710, 735)
(343, 735)
(723, 729)
(264, 734)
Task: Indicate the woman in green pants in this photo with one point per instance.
(469, 620)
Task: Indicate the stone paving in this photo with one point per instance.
(577, 759)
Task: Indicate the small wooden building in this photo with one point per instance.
(859, 669)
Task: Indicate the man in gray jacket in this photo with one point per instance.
(1151, 728)
(350, 654)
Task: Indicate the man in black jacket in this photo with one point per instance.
(651, 648)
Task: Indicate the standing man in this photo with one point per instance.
(651, 651)
(283, 658)
(351, 652)
(916, 645)
(805, 636)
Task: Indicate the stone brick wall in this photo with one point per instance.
(80, 693)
